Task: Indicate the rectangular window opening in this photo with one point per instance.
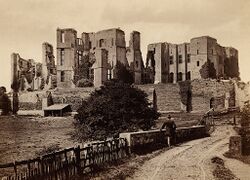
(62, 57)
(63, 37)
(62, 76)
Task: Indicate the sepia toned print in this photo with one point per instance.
(124, 89)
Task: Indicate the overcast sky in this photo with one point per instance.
(26, 24)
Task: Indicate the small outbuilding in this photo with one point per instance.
(57, 110)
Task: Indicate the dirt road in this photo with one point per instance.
(192, 160)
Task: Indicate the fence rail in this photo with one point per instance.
(66, 164)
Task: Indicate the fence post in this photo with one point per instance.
(78, 160)
(67, 165)
(15, 169)
(29, 171)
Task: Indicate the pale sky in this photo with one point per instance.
(26, 24)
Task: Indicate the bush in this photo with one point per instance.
(123, 74)
(114, 108)
(5, 103)
(84, 83)
(245, 118)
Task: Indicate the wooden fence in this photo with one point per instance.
(66, 164)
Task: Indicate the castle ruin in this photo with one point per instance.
(93, 57)
(202, 58)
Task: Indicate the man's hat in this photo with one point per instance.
(169, 117)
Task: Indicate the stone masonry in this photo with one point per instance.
(202, 58)
(31, 75)
(27, 73)
(81, 53)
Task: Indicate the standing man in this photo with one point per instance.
(170, 130)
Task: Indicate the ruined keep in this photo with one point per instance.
(94, 56)
(202, 58)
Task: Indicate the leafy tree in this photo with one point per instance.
(208, 71)
(5, 104)
(114, 108)
(245, 115)
(123, 74)
(84, 83)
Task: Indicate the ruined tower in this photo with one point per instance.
(134, 56)
(100, 67)
(48, 66)
(66, 57)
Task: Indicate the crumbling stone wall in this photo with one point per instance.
(134, 57)
(26, 74)
(66, 57)
(74, 97)
(48, 66)
(193, 95)
(31, 100)
(203, 91)
(157, 60)
(77, 58)
(168, 96)
(242, 93)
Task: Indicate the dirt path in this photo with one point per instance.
(191, 160)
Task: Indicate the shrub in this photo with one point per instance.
(84, 83)
(114, 108)
(5, 104)
(123, 74)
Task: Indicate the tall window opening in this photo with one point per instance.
(62, 57)
(109, 74)
(180, 59)
(171, 60)
(63, 37)
(188, 58)
(179, 76)
(62, 76)
(101, 43)
(188, 77)
(171, 78)
(198, 63)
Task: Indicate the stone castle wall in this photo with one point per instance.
(73, 97)
(195, 96)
